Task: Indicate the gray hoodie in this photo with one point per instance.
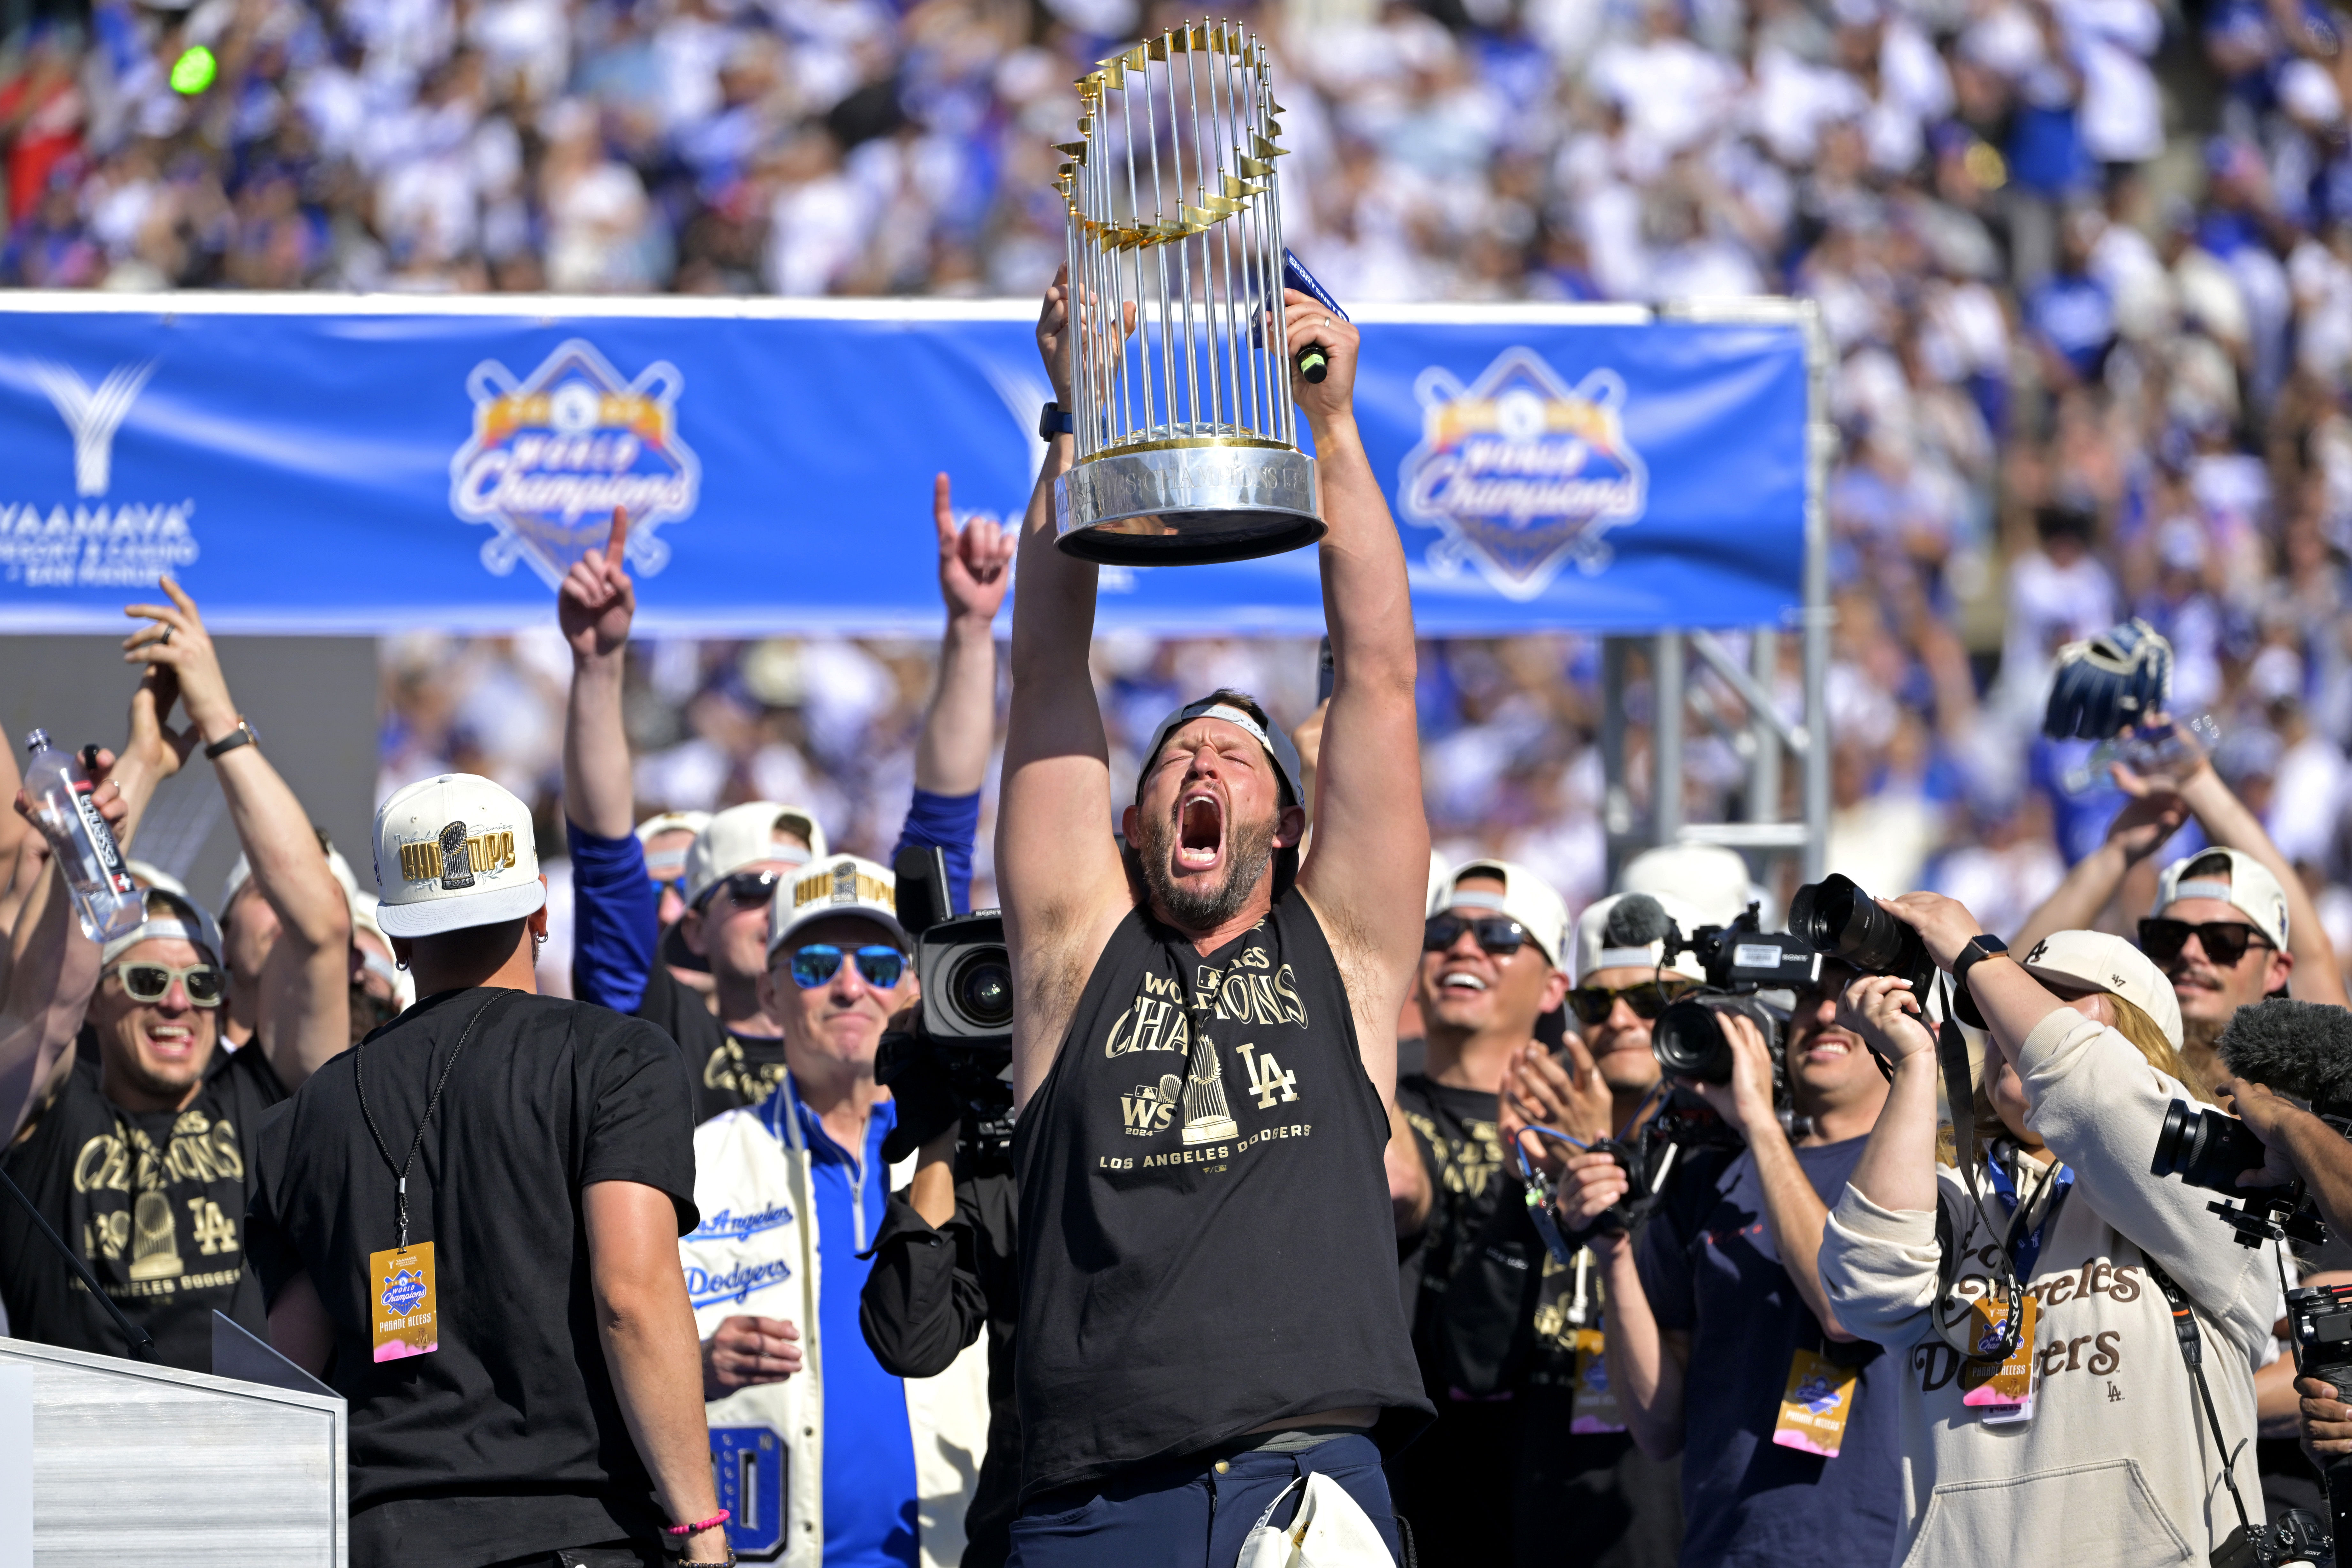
(2116, 1467)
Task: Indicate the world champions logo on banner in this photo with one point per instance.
(1521, 472)
(553, 454)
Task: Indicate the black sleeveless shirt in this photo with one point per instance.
(1206, 1238)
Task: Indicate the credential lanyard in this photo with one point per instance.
(2026, 1248)
(400, 1172)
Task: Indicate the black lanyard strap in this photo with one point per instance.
(400, 1172)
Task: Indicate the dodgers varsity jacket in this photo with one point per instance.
(2118, 1467)
(756, 1253)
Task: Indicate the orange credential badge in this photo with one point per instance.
(402, 1302)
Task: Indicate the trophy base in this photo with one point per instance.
(1188, 504)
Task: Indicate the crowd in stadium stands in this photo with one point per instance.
(2087, 266)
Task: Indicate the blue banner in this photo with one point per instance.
(312, 464)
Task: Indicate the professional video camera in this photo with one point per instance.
(2300, 1049)
(1739, 960)
(957, 1062)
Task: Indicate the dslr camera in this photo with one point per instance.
(961, 1045)
(1837, 920)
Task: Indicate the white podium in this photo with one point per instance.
(106, 1462)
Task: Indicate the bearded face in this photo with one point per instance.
(1189, 902)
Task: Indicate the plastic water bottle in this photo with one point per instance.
(2148, 750)
(108, 901)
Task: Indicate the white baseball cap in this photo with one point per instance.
(1524, 898)
(454, 851)
(148, 876)
(1591, 948)
(169, 915)
(746, 834)
(672, 864)
(2251, 890)
(1707, 881)
(2112, 964)
(1223, 705)
(337, 867)
(837, 885)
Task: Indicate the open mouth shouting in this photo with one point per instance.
(1200, 833)
(172, 1044)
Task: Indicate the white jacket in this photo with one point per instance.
(756, 1253)
(2116, 1467)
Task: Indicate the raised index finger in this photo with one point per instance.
(617, 541)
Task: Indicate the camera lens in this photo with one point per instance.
(1687, 1044)
(982, 987)
(1838, 920)
(2178, 1143)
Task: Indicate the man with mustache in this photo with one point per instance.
(2230, 924)
(1204, 1056)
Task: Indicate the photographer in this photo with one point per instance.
(2273, 1041)
(2091, 1442)
(1721, 1345)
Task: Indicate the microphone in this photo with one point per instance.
(2298, 1048)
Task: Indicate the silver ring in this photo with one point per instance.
(1326, 320)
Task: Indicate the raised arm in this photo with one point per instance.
(1368, 869)
(306, 984)
(960, 725)
(49, 984)
(594, 607)
(1058, 868)
(2138, 831)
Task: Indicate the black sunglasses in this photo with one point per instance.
(1497, 935)
(2224, 941)
(747, 888)
(1648, 999)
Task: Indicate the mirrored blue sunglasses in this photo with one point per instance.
(819, 962)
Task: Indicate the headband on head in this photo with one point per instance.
(2203, 888)
(1277, 745)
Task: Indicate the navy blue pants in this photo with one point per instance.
(1191, 1513)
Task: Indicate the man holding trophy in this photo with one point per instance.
(1204, 1041)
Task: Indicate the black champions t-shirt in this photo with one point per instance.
(508, 1438)
(152, 1201)
(731, 1071)
(1207, 1241)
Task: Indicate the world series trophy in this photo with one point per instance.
(1187, 442)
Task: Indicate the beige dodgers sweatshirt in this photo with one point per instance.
(2116, 1469)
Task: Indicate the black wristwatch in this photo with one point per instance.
(1982, 945)
(1055, 420)
(245, 734)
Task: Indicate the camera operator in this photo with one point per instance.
(1722, 1347)
(2281, 1036)
(2091, 1441)
(2230, 924)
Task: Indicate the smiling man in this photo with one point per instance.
(1717, 1310)
(1205, 1048)
(1487, 972)
(135, 1122)
(794, 1191)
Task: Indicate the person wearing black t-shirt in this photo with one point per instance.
(134, 1123)
(468, 1227)
(1204, 1051)
(1487, 973)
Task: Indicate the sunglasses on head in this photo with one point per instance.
(1496, 933)
(2224, 941)
(819, 962)
(747, 888)
(1647, 998)
(147, 982)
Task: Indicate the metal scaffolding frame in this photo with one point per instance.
(1675, 696)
